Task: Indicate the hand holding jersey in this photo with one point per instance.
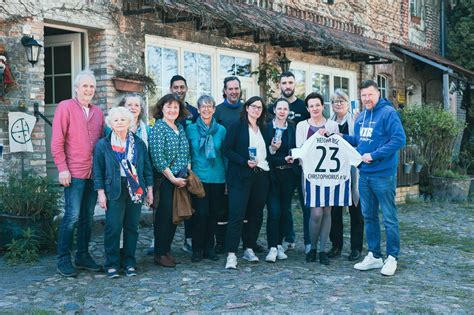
(326, 164)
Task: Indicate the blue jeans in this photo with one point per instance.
(375, 191)
(80, 200)
(121, 214)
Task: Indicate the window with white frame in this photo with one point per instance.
(323, 80)
(415, 8)
(382, 82)
(204, 67)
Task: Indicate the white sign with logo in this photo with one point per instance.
(20, 127)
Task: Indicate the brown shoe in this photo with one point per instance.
(174, 260)
(164, 261)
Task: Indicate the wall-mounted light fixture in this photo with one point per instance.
(32, 49)
(284, 62)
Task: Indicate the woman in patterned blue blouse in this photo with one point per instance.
(169, 149)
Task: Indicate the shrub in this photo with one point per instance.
(434, 131)
(29, 195)
(24, 249)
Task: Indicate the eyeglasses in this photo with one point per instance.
(338, 102)
(256, 107)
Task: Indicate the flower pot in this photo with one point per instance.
(12, 227)
(418, 167)
(407, 167)
(126, 85)
(450, 189)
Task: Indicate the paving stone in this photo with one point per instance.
(431, 233)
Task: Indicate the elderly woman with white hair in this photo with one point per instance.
(345, 120)
(123, 179)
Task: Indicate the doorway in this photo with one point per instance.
(63, 60)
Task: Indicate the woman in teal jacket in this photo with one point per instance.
(207, 161)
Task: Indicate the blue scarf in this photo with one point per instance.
(206, 142)
(233, 106)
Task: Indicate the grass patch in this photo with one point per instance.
(425, 236)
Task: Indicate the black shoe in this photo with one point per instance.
(86, 263)
(258, 249)
(311, 256)
(323, 258)
(219, 249)
(211, 255)
(355, 255)
(197, 256)
(130, 271)
(334, 252)
(66, 269)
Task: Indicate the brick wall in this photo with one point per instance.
(404, 194)
(15, 22)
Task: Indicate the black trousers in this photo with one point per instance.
(357, 227)
(164, 228)
(246, 202)
(222, 220)
(282, 187)
(204, 220)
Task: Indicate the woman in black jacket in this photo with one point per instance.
(246, 146)
(123, 179)
(283, 180)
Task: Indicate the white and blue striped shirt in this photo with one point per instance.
(326, 163)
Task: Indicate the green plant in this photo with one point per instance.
(268, 76)
(434, 131)
(49, 235)
(449, 174)
(23, 250)
(29, 195)
(148, 82)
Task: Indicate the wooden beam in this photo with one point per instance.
(257, 38)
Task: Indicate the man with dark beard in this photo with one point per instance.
(298, 112)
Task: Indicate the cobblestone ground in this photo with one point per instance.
(435, 275)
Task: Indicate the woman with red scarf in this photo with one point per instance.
(123, 179)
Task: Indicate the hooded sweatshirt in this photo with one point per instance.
(378, 131)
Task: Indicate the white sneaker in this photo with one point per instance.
(281, 253)
(231, 262)
(249, 255)
(389, 267)
(307, 248)
(288, 246)
(369, 262)
(272, 255)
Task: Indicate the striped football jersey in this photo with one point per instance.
(326, 163)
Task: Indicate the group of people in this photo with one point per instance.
(242, 154)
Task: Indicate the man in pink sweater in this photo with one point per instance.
(77, 126)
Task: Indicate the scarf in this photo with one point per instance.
(126, 156)
(232, 106)
(206, 141)
(349, 118)
(141, 132)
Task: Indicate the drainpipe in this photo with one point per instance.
(446, 91)
(442, 28)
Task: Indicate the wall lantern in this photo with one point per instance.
(32, 48)
(284, 63)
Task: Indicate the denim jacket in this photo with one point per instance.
(106, 171)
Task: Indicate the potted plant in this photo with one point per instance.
(450, 185)
(419, 162)
(27, 201)
(133, 82)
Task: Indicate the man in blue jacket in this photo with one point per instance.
(378, 136)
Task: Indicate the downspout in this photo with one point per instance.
(442, 34)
